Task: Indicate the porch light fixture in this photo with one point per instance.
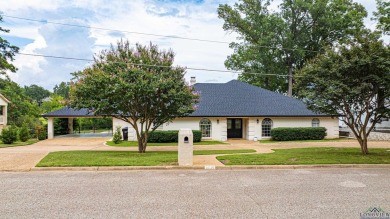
(257, 121)
(217, 121)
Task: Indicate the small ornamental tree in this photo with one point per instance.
(117, 137)
(352, 80)
(137, 85)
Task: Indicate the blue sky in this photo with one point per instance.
(186, 18)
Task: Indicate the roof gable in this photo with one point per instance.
(231, 99)
(69, 112)
(5, 99)
(236, 98)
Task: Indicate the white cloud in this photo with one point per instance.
(179, 18)
(54, 40)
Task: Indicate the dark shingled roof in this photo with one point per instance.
(69, 112)
(239, 99)
(231, 99)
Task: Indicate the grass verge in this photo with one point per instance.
(135, 144)
(296, 156)
(18, 143)
(119, 158)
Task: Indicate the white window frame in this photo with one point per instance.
(315, 122)
(205, 126)
(264, 127)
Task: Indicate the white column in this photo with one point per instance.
(50, 128)
(70, 125)
(5, 116)
(252, 128)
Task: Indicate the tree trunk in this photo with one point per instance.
(363, 145)
(142, 143)
(290, 80)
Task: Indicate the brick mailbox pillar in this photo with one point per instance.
(185, 147)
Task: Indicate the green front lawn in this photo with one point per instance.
(211, 152)
(323, 140)
(311, 156)
(119, 158)
(135, 144)
(18, 143)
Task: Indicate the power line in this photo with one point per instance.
(115, 30)
(147, 65)
(150, 34)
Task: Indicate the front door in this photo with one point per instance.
(234, 128)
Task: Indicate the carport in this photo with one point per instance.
(69, 114)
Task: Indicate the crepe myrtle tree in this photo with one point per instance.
(137, 85)
(352, 80)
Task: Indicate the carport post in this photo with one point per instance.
(50, 128)
(70, 125)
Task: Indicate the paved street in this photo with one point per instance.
(305, 193)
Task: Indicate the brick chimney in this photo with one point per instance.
(192, 81)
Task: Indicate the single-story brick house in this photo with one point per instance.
(235, 110)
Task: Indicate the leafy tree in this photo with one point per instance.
(95, 123)
(62, 89)
(137, 85)
(281, 42)
(22, 108)
(36, 92)
(55, 102)
(352, 80)
(7, 53)
(383, 16)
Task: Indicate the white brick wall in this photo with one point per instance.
(251, 127)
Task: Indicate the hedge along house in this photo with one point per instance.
(3, 111)
(237, 110)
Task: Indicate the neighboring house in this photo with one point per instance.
(3, 111)
(383, 124)
(232, 110)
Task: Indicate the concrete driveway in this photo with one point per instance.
(23, 158)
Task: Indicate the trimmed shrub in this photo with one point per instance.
(24, 134)
(290, 134)
(117, 137)
(171, 136)
(42, 136)
(197, 135)
(9, 135)
(41, 132)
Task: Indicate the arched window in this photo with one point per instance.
(266, 127)
(205, 127)
(315, 122)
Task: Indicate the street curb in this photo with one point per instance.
(252, 167)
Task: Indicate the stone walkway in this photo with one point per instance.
(23, 158)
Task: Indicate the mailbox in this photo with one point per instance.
(185, 147)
